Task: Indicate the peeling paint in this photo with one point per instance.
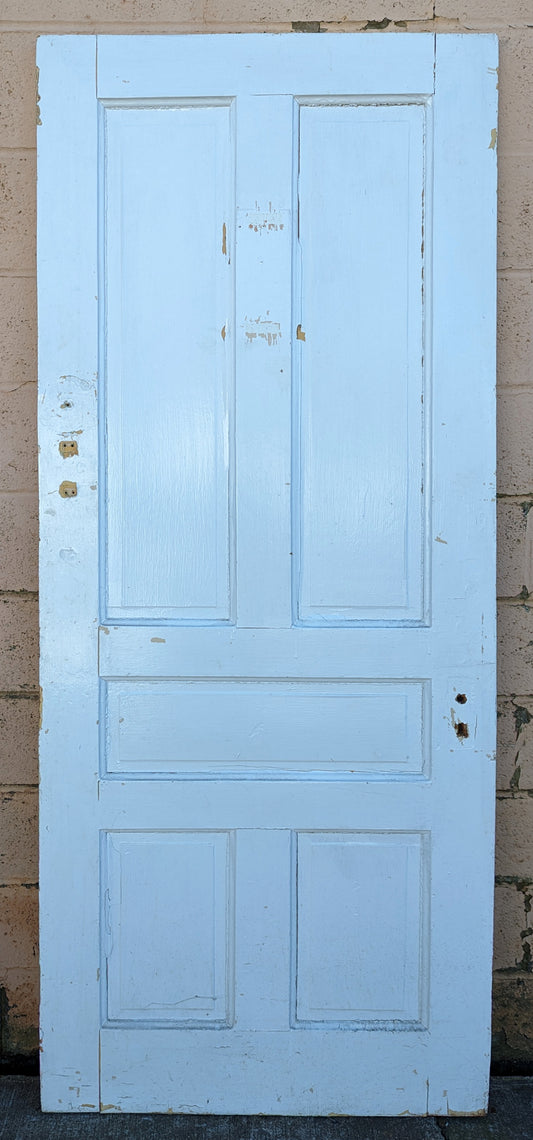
(68, 490)
(443, 540)
(37, 99)
(68, 448)
(452, 1112)
(265, 221)
(262, 329)
(306, 26)
(521, 716)
(377, 25)
(264, 225)
(79, 381)
(459, 726)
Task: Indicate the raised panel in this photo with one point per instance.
(361, 945)
(166, 331)
(359, 439)
(168, 925)
(222, 728)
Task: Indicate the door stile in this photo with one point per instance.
(67, 242)
(464, 457)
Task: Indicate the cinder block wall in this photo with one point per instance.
(20, 22)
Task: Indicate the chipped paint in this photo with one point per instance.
(459, 726)
(475, 1112)
(257, 328)
(443, 540)
(300, 334)
(79, 381)
(37, 100)
(493, 139)
(68, 448)
(312, 26)
(377, 25)
(223, 332)
(224, 240)
(265, 221)
(68, 490)
(159, 640)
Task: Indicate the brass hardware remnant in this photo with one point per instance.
(68, 490)
(68, 447)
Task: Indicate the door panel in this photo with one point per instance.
(170, 391)
(267, 573)
(168, 911)
(223, 729)
(360, 516)
(351, 976)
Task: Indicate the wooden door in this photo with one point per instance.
(267, 280)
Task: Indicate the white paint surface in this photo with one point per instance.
(266, 846)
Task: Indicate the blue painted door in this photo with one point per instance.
(267, 574)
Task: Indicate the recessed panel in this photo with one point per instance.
(166, 332)
(220, 728)
(168, 917)
(359, 443)
(361, 928)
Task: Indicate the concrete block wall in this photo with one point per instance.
(20, 22)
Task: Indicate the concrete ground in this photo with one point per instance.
(510, 1117)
